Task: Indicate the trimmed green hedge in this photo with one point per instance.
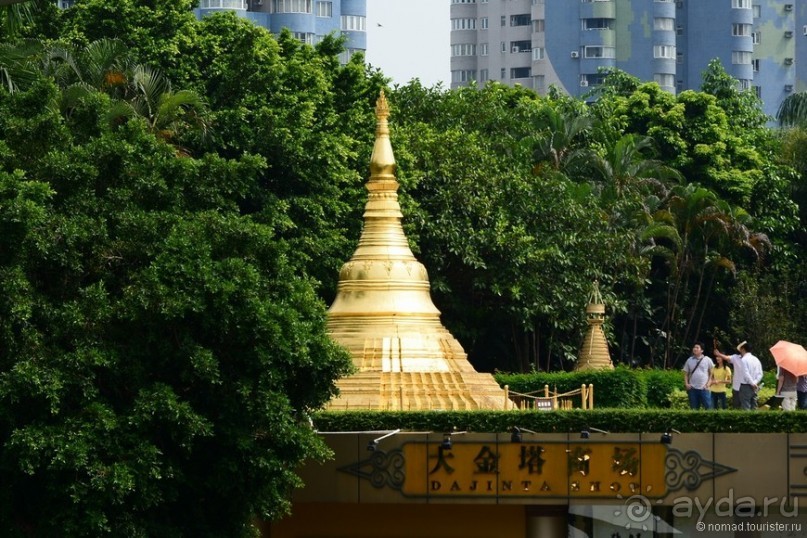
(620, 388)
(660, 385)
(612, 420)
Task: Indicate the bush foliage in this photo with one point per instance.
(611, 420)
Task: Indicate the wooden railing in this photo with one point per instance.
(552, 400)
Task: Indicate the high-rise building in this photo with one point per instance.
(538, 43)
(308, 20)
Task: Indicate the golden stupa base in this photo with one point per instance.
(419, 391)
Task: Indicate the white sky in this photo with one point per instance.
(412, 41)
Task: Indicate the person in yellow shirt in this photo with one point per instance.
(721, 379)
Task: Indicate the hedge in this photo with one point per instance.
(612, 420)
(620, 388)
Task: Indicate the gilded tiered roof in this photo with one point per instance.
(383, 314)
(594, 354)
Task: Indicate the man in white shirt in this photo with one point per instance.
(753, 376)
(747, 377)
(697, 373)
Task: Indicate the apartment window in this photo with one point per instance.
(463, 24)
(484, 23)
(590, 1)
(463, 75)
(483, 73)
(354, 23)
(538, 82)
(664, 80)
(463, 1)
(744, 84)
(345, 56)
(504, 46)
(538, 25)
(757, 11)
(522, 19)
(520, 46)
(204, 4)
(664, 1)
(291, 6)
(504, 73)
(664, 51)
(304, 37)
(740, 30)
(740, 57)
(679, 30)
(756, 37)
(757, 91)
(741, 4)
(483, 49)
(520, 72)
(503, 20)
(598, 51)
(598, 24)
(755, 65)
(463, 49)
(679, 57)
(324, 9)
(538, 53)
(591, 79)
(664, 24)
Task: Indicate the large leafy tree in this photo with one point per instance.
(512, 248)
(157, 349)
(160, 334)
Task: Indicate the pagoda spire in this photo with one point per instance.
(383, 313)
(594, 354)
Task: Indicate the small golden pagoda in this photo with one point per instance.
(594, 354)
(383, 314)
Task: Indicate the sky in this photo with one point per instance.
(412, 40)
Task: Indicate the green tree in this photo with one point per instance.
(698, 235)
(793, 110)
(159, 345)
(511, 249)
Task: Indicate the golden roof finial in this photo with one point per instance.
(382, 161)
(381, 106)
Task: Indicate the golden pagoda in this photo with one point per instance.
(405, 359)
(594, 354)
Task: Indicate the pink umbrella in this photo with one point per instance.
(792, 357)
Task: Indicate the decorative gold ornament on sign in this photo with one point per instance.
(594, 354)
(383, 314)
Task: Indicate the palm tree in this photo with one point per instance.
(166, 112)
(793, 110)
(697, 234)
(15, 13)
(139, 91)
(557, 143)
(625, 166)
(17, 64)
